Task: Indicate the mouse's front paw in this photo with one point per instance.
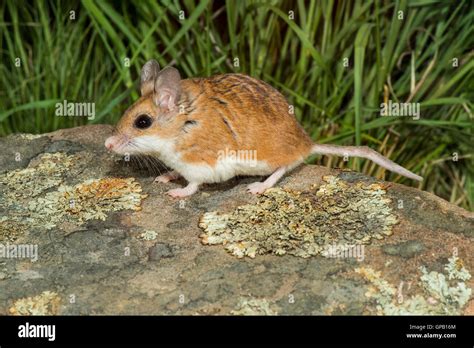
(183, 192)
(177, 193)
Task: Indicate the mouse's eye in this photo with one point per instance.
(143, 121)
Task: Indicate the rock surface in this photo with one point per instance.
(109, 241)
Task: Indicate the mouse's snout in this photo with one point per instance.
(118, 143)
(112, 142)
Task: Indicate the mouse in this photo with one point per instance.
(211, 129)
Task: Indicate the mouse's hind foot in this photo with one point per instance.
(257, 188)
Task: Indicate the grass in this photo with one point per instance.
(97, 57)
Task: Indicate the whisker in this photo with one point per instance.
(152, 164)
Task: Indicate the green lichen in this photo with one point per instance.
(303, 224)
(456, 269)
(37, 196)
(29, 136)
(442, 295)
(46, 303)
(43, 173)
(148, 235)
(253, 306)
(90, 200)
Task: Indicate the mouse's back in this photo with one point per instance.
(243, 113)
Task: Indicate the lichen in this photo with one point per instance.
(437, 285)
(441, 295)
(148, 235)
(253, 306)
(11, 230)
(456, 269)
(303, 224)
(47, 303)
(29, 136)
(89, 200)
(334, 308)
(40, 175)
(37, 196)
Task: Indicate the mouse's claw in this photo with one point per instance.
(257, 188)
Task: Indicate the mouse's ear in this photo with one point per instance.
(148, 76)
(167, 88)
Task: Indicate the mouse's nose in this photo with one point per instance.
(110, 142)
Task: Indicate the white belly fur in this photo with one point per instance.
(224, 169)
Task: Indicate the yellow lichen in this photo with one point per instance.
(92, 199)
(47, 303)
(36, 196)
(10, 230)
(303, 223)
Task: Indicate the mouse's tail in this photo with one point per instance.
(364, 152)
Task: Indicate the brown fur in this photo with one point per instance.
(231, 111)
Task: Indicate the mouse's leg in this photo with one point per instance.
(184, 192)
(260, 187)
(167, 177)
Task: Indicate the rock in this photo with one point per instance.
(160, 251)
(323, 242)
(65, 146)
(405, 249)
